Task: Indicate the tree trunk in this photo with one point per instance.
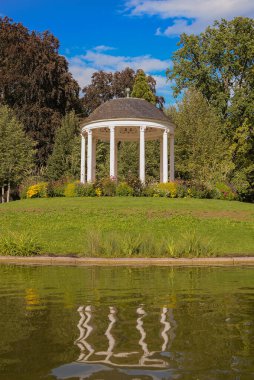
(2, 195)
(8, 192)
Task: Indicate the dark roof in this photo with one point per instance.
(127, 108)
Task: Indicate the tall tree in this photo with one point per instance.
(65, 158)
(35, 82)
(17, 151)
(220, 64)
(200, 149)
(105, 86)
(141, 88)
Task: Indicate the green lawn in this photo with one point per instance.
(64, 225)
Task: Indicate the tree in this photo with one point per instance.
(65, 158)
(201, 152)
(220, 64)
(36, 83)
(242, 154)
(141, 88)
(105, 86)
(17, 151)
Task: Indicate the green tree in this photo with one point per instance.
(17, 151)
(35, 83)
(141, 88)
(65, 158)
(220, 63)
(201, 152)
(242, 153)
(105, 86)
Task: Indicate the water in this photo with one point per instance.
(126, 323)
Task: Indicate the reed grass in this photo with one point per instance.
(191, 244)
(16, 244)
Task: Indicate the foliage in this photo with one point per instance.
(85, 190)
(135, 183)
(65, 158)
(106, 85)
(219, 63)
(70, 190)
(26, 183)
(40, 190)
(37, 85)
(15, 244)
(225, 192)
(141, 88)
(201, 152)
(17, 151)
(124, 190)
(166, 189)
(108, 186)
(242, 152)
(57, 188)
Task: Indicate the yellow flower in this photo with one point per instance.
(98, 192)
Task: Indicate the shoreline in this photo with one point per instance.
(90, 261)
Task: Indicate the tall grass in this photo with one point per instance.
(15, 244)
(102, 244)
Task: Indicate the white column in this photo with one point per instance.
(83, 160)
(112, 151)
(161, 159)
(89, 155)
(165, 156)
(94, 159)
(172, 158)
(116, 159)
(142, 155)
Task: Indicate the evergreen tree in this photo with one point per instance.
(141, 88)
(17, 151)
(65, 158)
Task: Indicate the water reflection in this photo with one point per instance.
(96, 359)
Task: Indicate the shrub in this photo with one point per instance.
(19, 245)
(225, 192)
(70, 190)
(85, 190)
(26, 183)
(40, 190)
(57, 188)
(98, 192)
(108, 187)
(168, 189)
(149, 191)
(124, 190)
(135, 183)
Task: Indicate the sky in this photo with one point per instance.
(113, 34)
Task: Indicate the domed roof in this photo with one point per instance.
(127, 108)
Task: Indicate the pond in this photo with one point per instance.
(126, 323)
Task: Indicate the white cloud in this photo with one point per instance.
(103, 48)
(83, 66)
(190, 16)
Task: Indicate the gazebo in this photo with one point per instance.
(126, 119)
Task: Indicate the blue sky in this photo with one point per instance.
(113, 34)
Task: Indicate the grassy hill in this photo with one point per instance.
(132, 226)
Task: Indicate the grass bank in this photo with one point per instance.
(126, 227)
